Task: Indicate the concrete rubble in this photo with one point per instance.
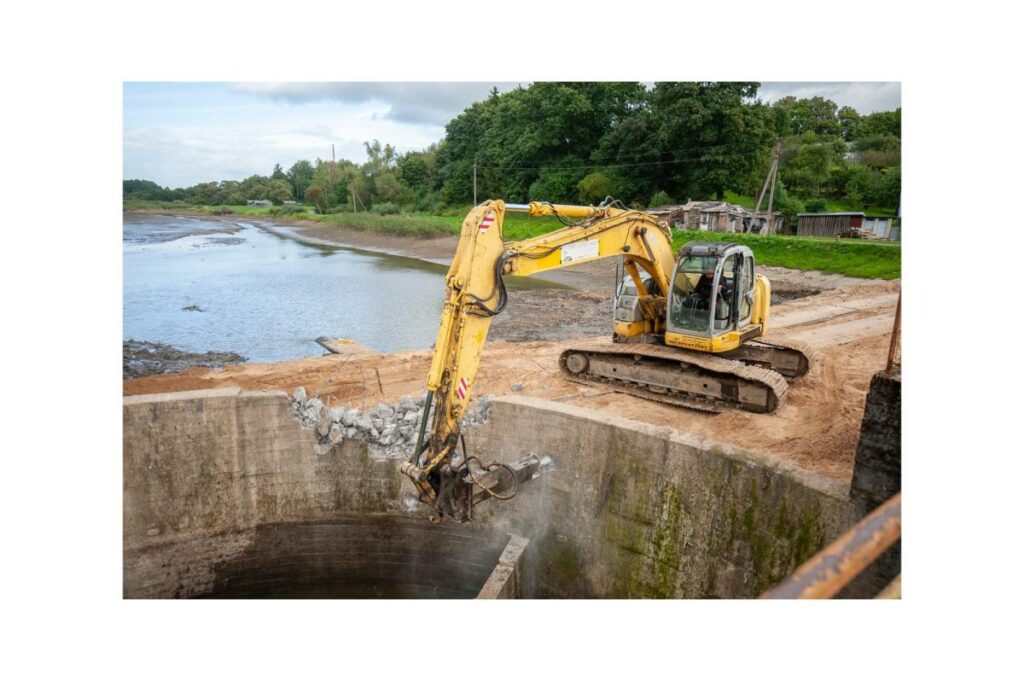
(389, 429)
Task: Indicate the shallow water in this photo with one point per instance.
(267, 296)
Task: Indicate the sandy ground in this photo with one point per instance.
(817, 427)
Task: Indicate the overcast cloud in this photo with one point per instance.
(179, 134)
(430, 103)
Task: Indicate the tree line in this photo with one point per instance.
(581, 142)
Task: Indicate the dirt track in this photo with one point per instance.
(817, 427)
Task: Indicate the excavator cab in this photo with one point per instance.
(712, 292)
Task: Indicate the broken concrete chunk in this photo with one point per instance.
(299, 395)
(323, 422)
(388, 435)
(384, 411)
(337, 434)
(406, 403)
(349, 417)
(312, 409)
(516, 387)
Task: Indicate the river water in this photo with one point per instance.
(236, 287)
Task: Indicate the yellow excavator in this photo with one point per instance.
(689, 330)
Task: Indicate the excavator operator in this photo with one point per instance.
(703, 288)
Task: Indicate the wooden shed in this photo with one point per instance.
(828, 224)
(857, 225)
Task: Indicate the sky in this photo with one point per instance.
(180, 134)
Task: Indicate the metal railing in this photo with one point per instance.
(835, 566)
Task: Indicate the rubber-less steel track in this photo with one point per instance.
(791, 358)
(674, 376)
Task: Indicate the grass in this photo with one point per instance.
(848, 256)
(851, 257)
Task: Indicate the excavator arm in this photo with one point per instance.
(452, 483)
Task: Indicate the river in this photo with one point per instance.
(202, 284)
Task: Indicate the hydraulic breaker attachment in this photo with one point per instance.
(454, 489)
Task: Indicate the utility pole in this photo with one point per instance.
(771, 178)
(474, 182)
(333, 158)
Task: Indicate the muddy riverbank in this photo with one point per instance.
(142, 358)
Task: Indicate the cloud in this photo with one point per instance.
(417, 103)
(865, 97)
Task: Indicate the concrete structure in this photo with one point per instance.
(259, 202)
(223, 491)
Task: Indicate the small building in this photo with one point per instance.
(852, 224)
(290, 203)
(718, 216)
(259, 202)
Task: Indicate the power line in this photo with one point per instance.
(616, 165)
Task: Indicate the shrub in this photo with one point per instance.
(816, 205)
(288, 210)
(661, 198)
(386, 208)
(594, 188)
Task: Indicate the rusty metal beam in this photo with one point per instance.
(837, 564)
(894, 342)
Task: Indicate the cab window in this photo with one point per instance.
(690, 306)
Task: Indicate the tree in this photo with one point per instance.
(849, 123)
(883, 123)
(279, 191)
(817, 115)
(718, 128)
(312, 196)
(301, 176)
(278, 173)
(594, 187)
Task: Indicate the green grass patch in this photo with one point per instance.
(851, 257)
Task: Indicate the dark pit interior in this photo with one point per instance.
(361, 557)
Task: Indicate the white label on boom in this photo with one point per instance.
(579, 251)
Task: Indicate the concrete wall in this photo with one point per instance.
(633, 510)
(640, 511)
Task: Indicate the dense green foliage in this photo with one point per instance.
(582, 142)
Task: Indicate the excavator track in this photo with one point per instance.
(674, 376)
(791, 358)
